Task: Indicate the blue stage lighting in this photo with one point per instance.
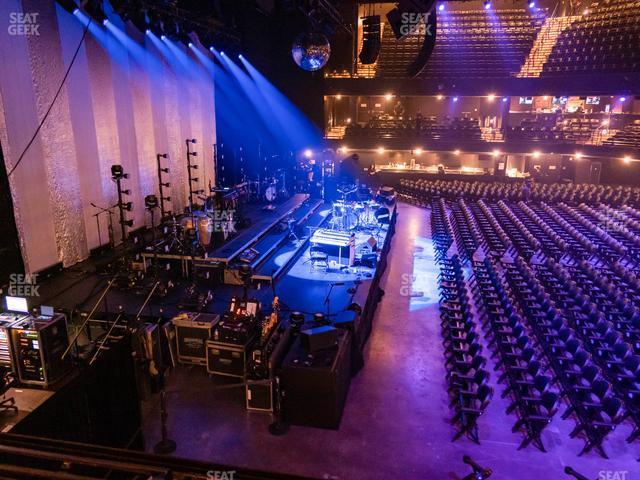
(487, 5)
(211, 49)
(623, 99)
(455, 99)
(190, 45)
(163, 37)
(222, 53)
(504, 99)
(76, 11)
(105, 21)
(441, 7)
(532, 4)
(240, 55)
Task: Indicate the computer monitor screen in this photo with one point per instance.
(17, 304)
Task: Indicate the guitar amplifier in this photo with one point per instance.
(315, 385)
(193, 330)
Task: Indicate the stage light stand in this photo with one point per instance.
(162, 185)
(190, 167)
(151, 203)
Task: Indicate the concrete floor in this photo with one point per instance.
(395, 423)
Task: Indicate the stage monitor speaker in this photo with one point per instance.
(370, 39)
(318, 338)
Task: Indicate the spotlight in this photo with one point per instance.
(441, 7)
(495, 153)
(491, 97)
(504, 99)
(343, 149)
(380, 150)
(456, 152)
(308, 153)
(487, 4)
(148, 32)
(338, 97)
(211, 49)
(623, 99)
(151, 201)
(417, 151)
(535, 154)
(239, 55)
(585, 11)
(440, 97)
(76, 11)
(222, 53)
(388, 96)
(578, 155)
(627, 159)
(532, 4)
(348, 120)
(190, 45)
(163, 37)
(455, 99)
(105, 21)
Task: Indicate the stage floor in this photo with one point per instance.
(395, 423)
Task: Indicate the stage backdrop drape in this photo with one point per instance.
(128, 96)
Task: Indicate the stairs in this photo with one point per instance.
(335, 133)
(543, 45)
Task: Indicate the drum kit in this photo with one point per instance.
(350, 213)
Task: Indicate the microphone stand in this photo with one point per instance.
(327, 300)
(109, 211)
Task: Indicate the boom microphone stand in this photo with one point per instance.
(479, 473)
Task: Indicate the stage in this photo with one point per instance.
(346, 295)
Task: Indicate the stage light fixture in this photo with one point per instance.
(211, 49)
(578, 155)
(148, 32)
(338, 97)
(495, 153)
(585, 11)
(105, 21)
(380, 150)
(190, 45)
(535, 154)
(308, 153)
(163, 37)
(627, 159)
(417, 151)
(491, 97)
(504, 99)
(388, 96)
(117, 172)
(532, 4)
(623, 99)
(487, 4)
(456, 152)
(441, 7)
(348, 120)
(151, 201)
(455, 99)
(440, 97)
(222, 53)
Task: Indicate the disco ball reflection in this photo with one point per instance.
(311, 51)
